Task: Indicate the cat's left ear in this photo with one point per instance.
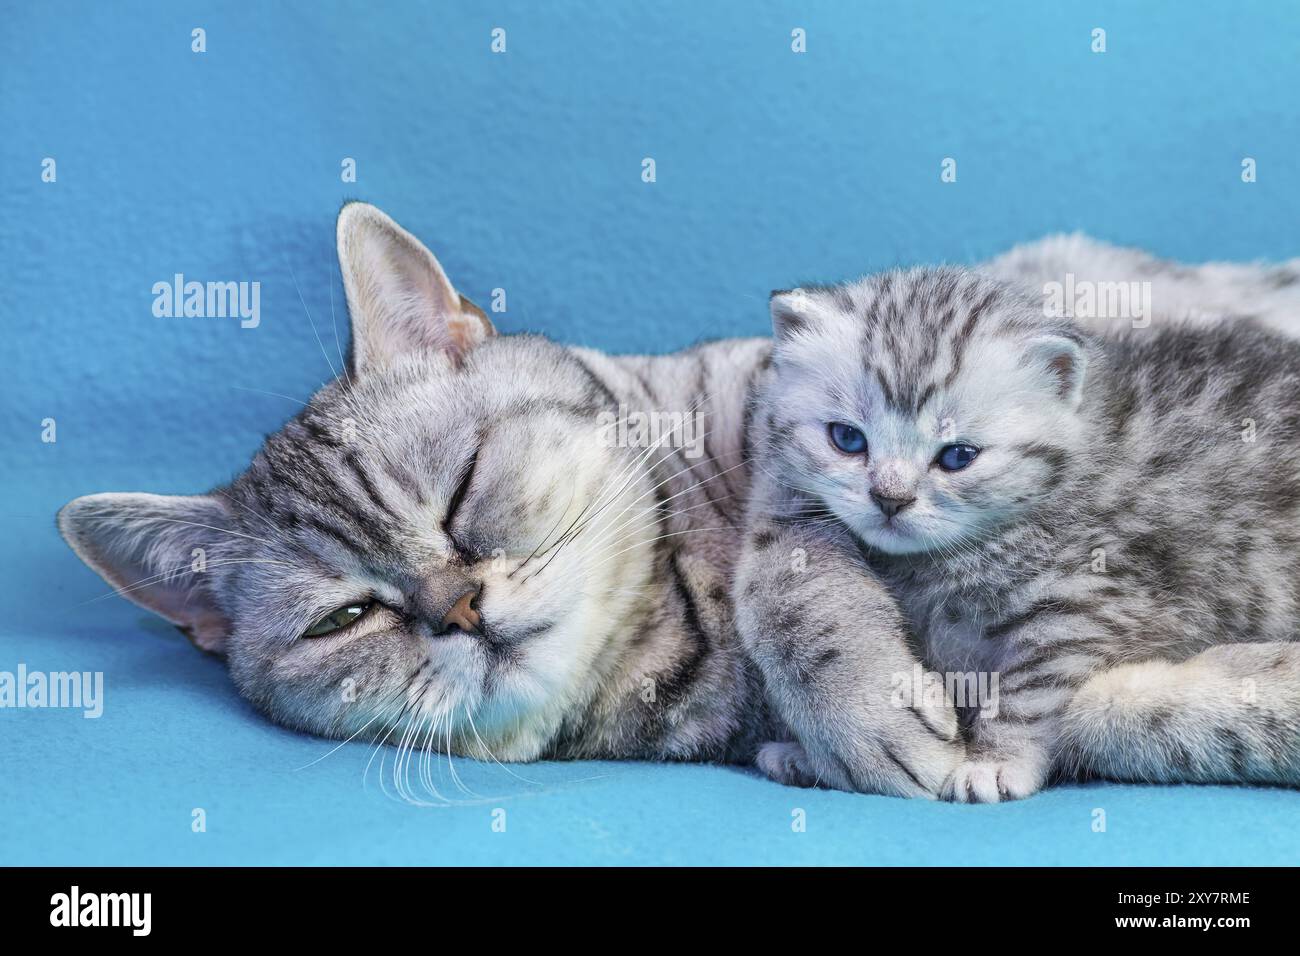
(153, 550)
(400, 300)
(1062, 360)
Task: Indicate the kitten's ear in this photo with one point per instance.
(789, 313)
(153, 549)
(1063, 360)
(398, 296)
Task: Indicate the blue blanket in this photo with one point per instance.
(523, 171)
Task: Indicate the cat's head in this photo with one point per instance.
(414, 552)
(923, 407)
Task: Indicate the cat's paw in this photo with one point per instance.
(992, 780)
(786, 763)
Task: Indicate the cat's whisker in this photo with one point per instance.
(261, 391)
(469, 717)
(275, 530)
(351, 737)
(697, 485)
(603, 499)
(397, 721)
(544, 538)
(333, 372)
(605, 533)
(338, 345)
(174, 574)
(430, 750)
(641, 544)
(451, 765)
(629, 472)
(609, 522)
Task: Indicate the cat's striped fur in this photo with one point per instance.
(1124, 552)
(599, 573)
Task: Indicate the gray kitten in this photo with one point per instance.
(448, 549)
(1103, 528)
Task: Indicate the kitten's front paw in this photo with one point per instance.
(992, 780)
(786, 763)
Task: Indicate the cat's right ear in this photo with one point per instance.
(400, 300)
(153, 550)
(789, 313)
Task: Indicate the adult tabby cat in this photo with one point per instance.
(1107, 525)
(445, 550)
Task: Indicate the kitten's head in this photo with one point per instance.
(413, 553)
(924, 407)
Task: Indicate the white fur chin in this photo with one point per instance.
(889, 540)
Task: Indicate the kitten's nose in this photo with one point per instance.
(463, 615)
(891, 506)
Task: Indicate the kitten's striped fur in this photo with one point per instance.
(1118, 554)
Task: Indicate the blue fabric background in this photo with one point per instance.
(522, 171)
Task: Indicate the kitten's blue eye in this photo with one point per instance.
(956, 457)
(847, 438)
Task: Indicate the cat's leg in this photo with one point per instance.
(1044, 655)
(1230, 714)
(832, 648)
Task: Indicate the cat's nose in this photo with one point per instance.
(891, 506)
(463, 615)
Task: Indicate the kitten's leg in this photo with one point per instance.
(1231, 714)
(832, 648)
(1012, 738)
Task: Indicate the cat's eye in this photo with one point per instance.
(457, 496)
(847, 439)
(336, 620)
(957, 456)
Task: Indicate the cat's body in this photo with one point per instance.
(445, 551)
(1129, 499)
(682, 687)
